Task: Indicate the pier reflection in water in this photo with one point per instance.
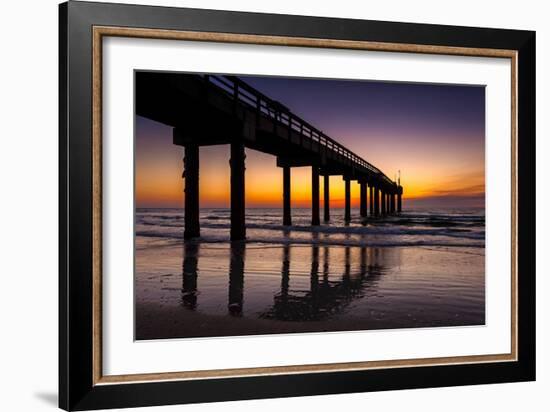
(325, 297)
(236, 278)
(328, 293)
(190, 274)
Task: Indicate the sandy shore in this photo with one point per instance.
(154, 322)
(201, 290)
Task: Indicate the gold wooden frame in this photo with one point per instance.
(101, 31)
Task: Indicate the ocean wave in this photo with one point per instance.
(214, 217)
(321, 241)
(405, 219)
(265, 226)
(348, 230)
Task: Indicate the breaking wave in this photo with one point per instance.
(430, 228)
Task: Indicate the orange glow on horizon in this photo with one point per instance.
(437, 174)
(162, 186)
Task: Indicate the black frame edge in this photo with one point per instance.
(526, 203)
(63, 390)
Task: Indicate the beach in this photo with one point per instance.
(418, 269)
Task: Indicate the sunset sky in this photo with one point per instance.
(434, 134)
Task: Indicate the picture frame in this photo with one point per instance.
(82, 28)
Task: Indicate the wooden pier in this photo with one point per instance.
(209, 110)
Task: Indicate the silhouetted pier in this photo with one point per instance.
(212, 110)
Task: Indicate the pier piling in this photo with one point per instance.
(363, 199)
(326, 196)
(376, 201)
(371, 200)
(315, 196)
(238, 229)
(191, 176)
(287, 220)
(399, 194)
(347, 213)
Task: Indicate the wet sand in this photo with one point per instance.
(223, 289)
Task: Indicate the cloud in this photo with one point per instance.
(461, 191)
(446, 201)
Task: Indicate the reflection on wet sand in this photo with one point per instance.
(427, 272)
(236, 278)
(326, 296)
(240, 288)
(190, 274)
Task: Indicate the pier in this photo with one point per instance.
(206, 110)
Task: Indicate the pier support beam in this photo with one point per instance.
(326, 195)
(363, 199)
(191, 176)
(392, 203)
(383, 201)
(371, 199)
(388, 203)
(238, 230)
(399, 203)
(376, 201)
(347, 207)
(287, 220)
(315, 196)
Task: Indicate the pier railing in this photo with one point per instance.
(245, 94)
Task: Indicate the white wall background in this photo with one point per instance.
(28, 205)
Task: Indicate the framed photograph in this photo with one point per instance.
(257, 205)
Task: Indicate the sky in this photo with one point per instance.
(433, 134)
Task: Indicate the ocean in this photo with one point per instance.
(422, 268)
